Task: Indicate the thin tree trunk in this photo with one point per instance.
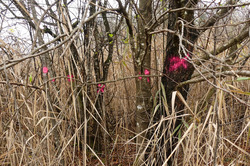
(143, 85)
(46, 62)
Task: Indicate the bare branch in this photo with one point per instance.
(222, 74)
(239, 39)
(25, 13)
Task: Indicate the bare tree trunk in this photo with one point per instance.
(176, 67)
(178, 52)
(143, 85)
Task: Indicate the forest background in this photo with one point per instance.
(135, 82)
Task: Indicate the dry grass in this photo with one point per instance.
(37, 130)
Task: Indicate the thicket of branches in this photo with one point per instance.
(135, 82)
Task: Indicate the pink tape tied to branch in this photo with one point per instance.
(45, 70)
(100, 88)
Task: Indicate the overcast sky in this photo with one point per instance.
(13, 27)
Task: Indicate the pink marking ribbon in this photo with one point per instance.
(45, 70)
(100, 88)
(70, 77)
(139, 77)
(146, 72)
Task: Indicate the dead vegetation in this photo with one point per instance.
(65, 116)
(26, 123)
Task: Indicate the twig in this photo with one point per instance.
(20, 84)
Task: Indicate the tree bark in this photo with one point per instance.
(142, 67)
(176, 67)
